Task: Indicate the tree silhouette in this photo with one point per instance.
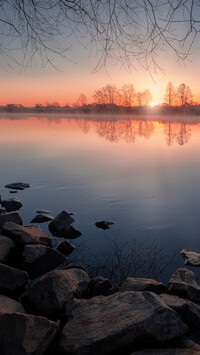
(170, 94)
(126, 30)
(108, 95)
(127, 95)
(184, 95)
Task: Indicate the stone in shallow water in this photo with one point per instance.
(41, 218)
(183, 284)
(42, 211)
(61, 223)
(191, 258)
(104, 224)
(18, 186)
(12, 205)
(107, 324)
(66, 248)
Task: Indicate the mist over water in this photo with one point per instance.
(142, 174)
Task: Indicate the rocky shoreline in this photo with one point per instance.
(48, 307)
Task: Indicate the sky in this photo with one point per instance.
(37, 85)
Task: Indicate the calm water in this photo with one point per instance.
(144, 175)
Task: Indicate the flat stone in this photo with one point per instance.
(104, 224)
(11, 217)
(68, 232)
(191, 258)
(139, 284)
(25, 334)
(188, 310)
(18, 186)
(6, 249)
(41, 218)
(183, 284)
(42, 211)
(26, 235)
(99, 286)
(61, 223)
(107, 324)
(51, 292)
(39, 259)
(8, 305)
(13, 191)
(65, 248)
(12, 205)
(12, 281)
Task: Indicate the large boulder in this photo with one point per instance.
(183, 284)
(188, 310)
(25, 334)
(8, 305)
(106, 324)
(12, 281)
(12, 204)
(61, 226)
(99, 286)
(26, 235)
(51, 292)
(11, 217)
(139, 284)
(18, 186)
(39, 259)
(6, 249)
(66, 248)
(191, 258)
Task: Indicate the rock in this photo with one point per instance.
(6, 249)
(68, 232)
(61, 222)
(41, 218)
(103, 325)
(25, 334)
(191, 258)
(104, 224)
(13, 191)
(12, 217)
(2, 211)
(17, 186)
(42, 211)
(139, 284)
(167, 351)
(26, 235)
(183, 284)
(189, 311)
(8, 305)
(12, 281)
(12, 205)
(99, 286)
(51, 292)
(66, 248)
(39, 259)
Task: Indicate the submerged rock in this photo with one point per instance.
(12, 205)
(104, 224)
(26, 235)
(12, 281)
(51, 292)
(107, 324)
(191, 258)
(41, 218)
(39, 259)
(139, 284)
(25, 334)
(18, 186)
(183, 284)
(66, 248)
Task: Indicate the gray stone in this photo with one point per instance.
(12, 281)
(11, 217)
(51, 292)
(42, 211)
(26, 235)
(139, 284)
(12, 205)
(99, 286)
(6, 249)
(61, 226)
(107, 324)
(24, 334)
(104, 224)
(183, 284)
(18, 186)
(39, 259)
(8, 305)
(66, 248)
(2, 211)
(188, 310)
(41, 218)
(191, 258)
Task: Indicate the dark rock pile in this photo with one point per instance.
(47, 307)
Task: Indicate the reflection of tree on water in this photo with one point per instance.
(83, 124)
(126, 130)
(178, 132)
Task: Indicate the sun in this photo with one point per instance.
(153, 103)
